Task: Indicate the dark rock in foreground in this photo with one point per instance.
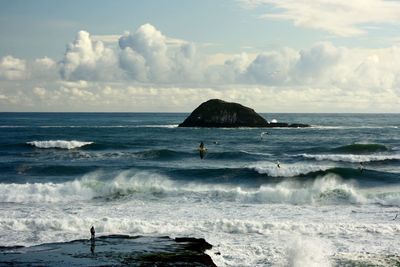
(113, 250)
(218, 113)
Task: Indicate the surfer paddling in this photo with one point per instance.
(202, 150)
(361, 167)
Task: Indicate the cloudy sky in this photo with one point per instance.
(169, 56)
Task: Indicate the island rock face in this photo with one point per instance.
(218, 113)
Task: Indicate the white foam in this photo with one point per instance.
(86, 188)
(144, 185)
(59, 144)
(310, 252)
(44, 192)
(351, 157)
(286, 170)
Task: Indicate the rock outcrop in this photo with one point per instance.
(218, 113)
(112, 250)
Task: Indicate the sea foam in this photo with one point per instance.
(59, 144)
(351, 157)
(326, 190)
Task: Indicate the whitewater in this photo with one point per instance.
(331, 202)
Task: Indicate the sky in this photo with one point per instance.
(170, 56)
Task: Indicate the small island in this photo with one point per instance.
(216, 113)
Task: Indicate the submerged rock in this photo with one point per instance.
(218, 113)
(113, 250)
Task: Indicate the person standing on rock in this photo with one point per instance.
(92, 232)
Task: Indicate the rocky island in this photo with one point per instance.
(216, 113)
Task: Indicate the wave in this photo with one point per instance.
(338, 127)
(287, 170)
(362, 148)
(235, 155)
(59, 144)
(328, 189)
(351, 157)
(161, 154)
(73, 227)
(168, 154)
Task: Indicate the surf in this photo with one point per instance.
(61, 144)
(353, 158)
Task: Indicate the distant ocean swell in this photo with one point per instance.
(327, 189)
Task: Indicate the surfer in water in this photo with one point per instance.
(202, 150)
(361, 167)
(278, 164)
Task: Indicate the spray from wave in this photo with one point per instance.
(59, 144)
(326, 190)
(308, 252)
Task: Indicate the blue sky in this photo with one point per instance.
(52, 51)
(47, 25)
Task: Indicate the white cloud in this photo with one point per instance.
(39, 91)
(12, 68)
(273, 67)
(86, 59)
(339, 17)
(147, 73)
(148, 55)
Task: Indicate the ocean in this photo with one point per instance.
(331, 202)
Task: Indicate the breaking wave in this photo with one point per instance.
(329, 189)
(287, 170)
(59, 144)
(351, 157)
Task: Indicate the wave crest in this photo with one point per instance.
(351, 157)
(287, 170)
(329, 189)
(59, 144)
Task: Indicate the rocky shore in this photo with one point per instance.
(112, 250)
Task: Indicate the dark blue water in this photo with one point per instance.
(152, 141)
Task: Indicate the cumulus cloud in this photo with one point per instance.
(273, 68)
(43, 68)
(147, 71)
(148, 55)
(339, 17)
(12, 68)
(86, 59)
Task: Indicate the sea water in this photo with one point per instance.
(332, 200)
